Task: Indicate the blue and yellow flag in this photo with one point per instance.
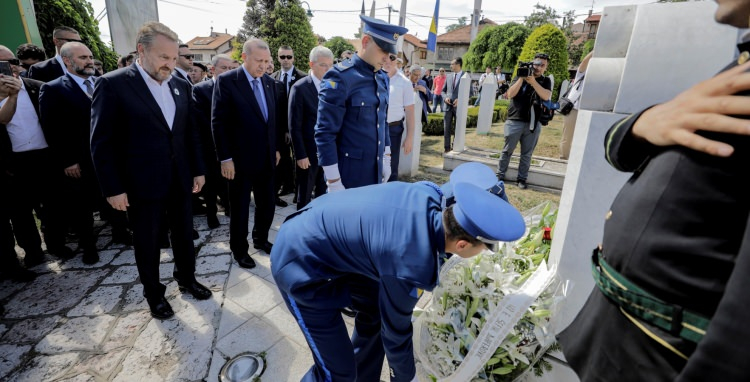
(432, 36)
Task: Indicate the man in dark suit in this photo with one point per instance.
(184, 64)
(216, 185)
(450, 95)
(288, 75)
(303, 115)
(54, 67)
(248, 108)
(147, 156)
(30, 170)
(677, 236)
(69, 97)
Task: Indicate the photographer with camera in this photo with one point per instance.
(523, 124)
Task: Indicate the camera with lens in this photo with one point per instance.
(525, 69)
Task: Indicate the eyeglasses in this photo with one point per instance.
(287, 57)
(392, 57)
(69, 39)
(188, 56)
(14, 61)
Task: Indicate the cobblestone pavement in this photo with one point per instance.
(86, 323)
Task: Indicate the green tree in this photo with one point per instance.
(461, 23)
(588, 46)
(79, 15)
(551, 40)
(542, 15)
(288, 25)
(496, 46)
(338, 44)
(256, 11)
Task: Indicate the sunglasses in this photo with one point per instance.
(288, 57)
(188, 56)
(14, 61)
(392, 57)
(69, 39)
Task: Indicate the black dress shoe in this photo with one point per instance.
(124, 237)
(245, 261)
(213, 222)
(195, 288)
(90, 256)
(160, 308)
(264, 246)
(522, 184)
(280, 202)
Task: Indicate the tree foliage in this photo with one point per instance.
(79, 15)
(256, 11)
(543, 14)
(551, 40)
(288, 25)
(459, 24)
(588, 46)
(338, 44)
(496, 46)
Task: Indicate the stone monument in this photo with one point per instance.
(486, 104)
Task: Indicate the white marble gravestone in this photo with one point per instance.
(643, 55)
(462, 111)
(486, 104)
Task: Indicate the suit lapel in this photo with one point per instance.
(142, 90)
(269, 89)
(76, 91)
(180, 106)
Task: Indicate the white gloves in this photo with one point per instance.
(336, 186)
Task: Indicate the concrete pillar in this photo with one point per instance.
(486, 104)
(408, 165)
(461, 112)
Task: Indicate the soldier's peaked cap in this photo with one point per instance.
(485, 216)
(384, 34)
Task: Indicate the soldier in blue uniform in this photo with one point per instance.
(328, 255)
(352, 133)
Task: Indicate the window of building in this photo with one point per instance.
(445, 54)
(423, 54)
(198, 57)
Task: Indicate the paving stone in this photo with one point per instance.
(214, 249)
(277, 221)
(125, 274)
(8, 287)
(232, 316)
(3, 329)
(202, 237)
(53, 293)
(282, 319)
(166, 272)
(262, 265)
(254, 335)
(166, 256)
(216, 282)
(287, 361)
(78, 334)
(175, 349)
(237, 275)
(106, 229)
(105, 257)
(125, 257)
(45, 368)
(100, 301)
(220, 234)
(126, 328)
(10, 358)
(103, 241)
(80, 378)
(100, 364)
(211, 264)
(30, 330)
(256, 295)
(217, 362)
(134, 299)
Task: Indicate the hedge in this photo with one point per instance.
(434, 125)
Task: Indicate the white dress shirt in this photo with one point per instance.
(289, 75)
(316, 81)
(24, 129)
(162, 94)
(400, 95)
(80, 81)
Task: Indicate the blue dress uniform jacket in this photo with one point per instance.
(679, 229)
(391, 233)
(352, 129)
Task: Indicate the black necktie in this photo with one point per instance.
(286, 85)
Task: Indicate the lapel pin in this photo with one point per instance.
(176, 92)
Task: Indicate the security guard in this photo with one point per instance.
(328, 254)
(352, 133)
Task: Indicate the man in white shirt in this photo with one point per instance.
(400, 110)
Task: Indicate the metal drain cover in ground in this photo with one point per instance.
(242, 368)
